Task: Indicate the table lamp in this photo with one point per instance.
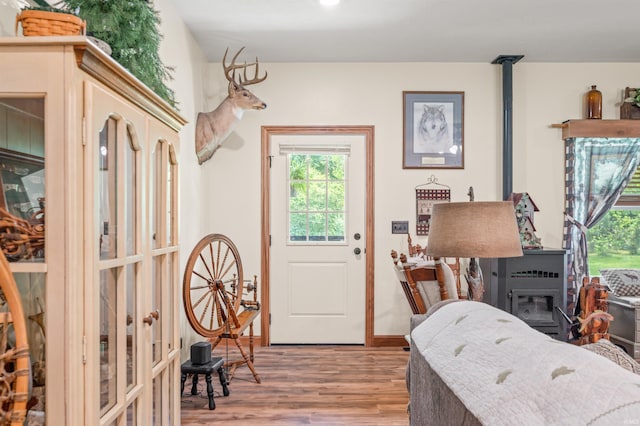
(474, 229)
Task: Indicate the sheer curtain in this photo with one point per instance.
(596, 172)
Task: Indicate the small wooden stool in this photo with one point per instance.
(215, 364)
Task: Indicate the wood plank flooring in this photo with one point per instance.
(308, 385)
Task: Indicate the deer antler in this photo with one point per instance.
(230, 71)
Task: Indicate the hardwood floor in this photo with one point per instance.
(308, 385)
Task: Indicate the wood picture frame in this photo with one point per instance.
(433, 130)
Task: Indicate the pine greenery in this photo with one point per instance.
(130, 27)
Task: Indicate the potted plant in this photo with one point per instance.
(130, 28)
(49, 20)
(630, 108)
(633, 97)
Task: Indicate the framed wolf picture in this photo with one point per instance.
(433, 130)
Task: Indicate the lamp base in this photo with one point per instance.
(475, 282)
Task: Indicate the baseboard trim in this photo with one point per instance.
(389, 341)
(378, 341)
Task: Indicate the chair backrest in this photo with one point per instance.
(414, 279)
(419, 251)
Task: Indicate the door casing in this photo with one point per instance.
(267, 132)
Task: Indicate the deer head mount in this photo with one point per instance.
(212, 128)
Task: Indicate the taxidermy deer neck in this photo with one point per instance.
(212, 128)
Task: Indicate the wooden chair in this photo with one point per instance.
(412, 277)
(419, 251)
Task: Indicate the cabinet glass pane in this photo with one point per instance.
(174, 417)
(156, 175)
(169, 203)
(157, 400)
(22, 125)
(131, 326)
(22, 186)
(170, 287)
(132, 414)
(108, 190)
(31, 287)
(131, 195)
(108, 339)
(156, 299)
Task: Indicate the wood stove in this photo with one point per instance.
(531, 287)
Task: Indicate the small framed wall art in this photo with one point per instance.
(427, 195)
(433, 130)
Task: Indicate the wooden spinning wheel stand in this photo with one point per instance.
(14, 362)
(212, 292)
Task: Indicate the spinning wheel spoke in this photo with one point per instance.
(206, 307)
(209, 281)
(213, 262)
(211, 275)
(221, 265)
(200, 287)
(226, 271)
(201, 299)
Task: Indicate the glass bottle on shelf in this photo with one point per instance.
(594, 103)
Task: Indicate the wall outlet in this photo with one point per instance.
(400, 227)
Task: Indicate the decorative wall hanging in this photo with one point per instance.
(433, 130)
(213, 127)
(426, 197)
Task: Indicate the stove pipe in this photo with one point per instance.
(507, 62)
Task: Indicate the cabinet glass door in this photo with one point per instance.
(116, 314)
(164, 283)
(22, 206)
(120, 265)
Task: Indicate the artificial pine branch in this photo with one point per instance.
(130, 27)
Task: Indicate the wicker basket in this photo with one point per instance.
(43, 23)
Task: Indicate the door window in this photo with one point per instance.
(316, 200)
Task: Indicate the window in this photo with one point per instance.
(317, 197)
(614, 242)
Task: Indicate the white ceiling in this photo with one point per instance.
(417, 30)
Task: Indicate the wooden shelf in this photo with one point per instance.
(599, 128)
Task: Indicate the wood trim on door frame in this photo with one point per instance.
(266, 132)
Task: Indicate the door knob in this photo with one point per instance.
(357, 250)
(152, 315)
(356, 236)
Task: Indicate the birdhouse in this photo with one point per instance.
(524, 208)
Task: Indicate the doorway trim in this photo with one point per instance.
(266, 133)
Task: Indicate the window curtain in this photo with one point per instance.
(596, 172)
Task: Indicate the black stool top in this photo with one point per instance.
(208, 368)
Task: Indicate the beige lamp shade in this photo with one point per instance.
(474, 229)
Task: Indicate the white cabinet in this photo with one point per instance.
(98, 149)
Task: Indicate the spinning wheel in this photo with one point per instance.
(213, 267)
(212, 291)
(14, 361)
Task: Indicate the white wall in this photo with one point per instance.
(223, 194)
(179, 50)
(371, 94)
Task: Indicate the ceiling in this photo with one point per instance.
(417, 30)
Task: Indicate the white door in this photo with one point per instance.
(317, 262)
